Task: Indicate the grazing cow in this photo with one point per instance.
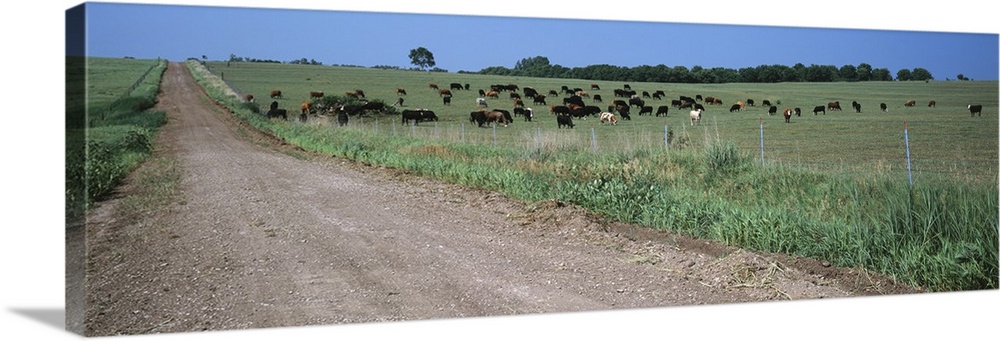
(514, 95)
(498, 117)
(646, 109)
(306, 108)
(518, 103)
(715, 101)
(352, 94)
(482, 93)
(645, 94)
(766, 103)
(595, 87)
(976, 110)
(480, 102)
(772, 110)
(276, 93)
(698, 106)
(695, 117)
(342, 116)
(432, 86)
(417, 116)
(749, 102)
(361, 93)
(398, 102)
(446, 100)
(248, 98)
(373, 106)
(741, 104)
(675, 103)
(663, 109)
(563, 120)
(529, 91)
(910, 103)
(466, 86)
(857, 107)
(833, 105)
(553, 93)
(444, 92)
(788, 115)
(819, 108)
(798, 112)
(582, 93)
(478, 117)
(400, 91)
(932, 104)
(574, 100)
(526, 112)
(883, 107)
(455, 86)
(637, 102)
(607, 117)
(492, 94)
(597, 98)
(315, 94)
(539, 99)
(623, 111)
(698, 98)
(735, 107)
(275, 113)
(626, 86)
(559, 110)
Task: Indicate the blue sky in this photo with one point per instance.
(473, 42)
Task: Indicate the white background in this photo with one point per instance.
(32, 191)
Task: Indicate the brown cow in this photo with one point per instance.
(595, 87)
(248, 98)
(432, 86)
(400, 91)
(361, 93)
(910, 103)
(306, 107)
(444, 92)
(833, 105)
(492, 94)
(315, 94)
(788, 115)
(275, 93)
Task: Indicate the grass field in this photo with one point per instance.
(944, 140)
(832, 186)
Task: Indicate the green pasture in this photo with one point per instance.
(831, 187)
(944, 140)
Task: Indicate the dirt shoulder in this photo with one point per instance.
(261, 234)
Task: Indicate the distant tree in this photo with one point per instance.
(881, 74)
(961, 77)
(848, 73)
(921, 74)
(422, 58)
(904, 75)
(864, 72)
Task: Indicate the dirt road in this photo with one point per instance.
(262, 235)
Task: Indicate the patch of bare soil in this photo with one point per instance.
(262, 234)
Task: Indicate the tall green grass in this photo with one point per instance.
(114, 132)
(940, 234)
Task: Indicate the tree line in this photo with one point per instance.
(539, 66)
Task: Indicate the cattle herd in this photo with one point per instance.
(574, 105)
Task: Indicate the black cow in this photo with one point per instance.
(772, 110)
(342, 116)
(456, 86)
(637, 102)
(574, 100)
(564, 120)
(478, 117)
(597, 98)
(526, 112)
(749, 102)
(663, 109)
(975, 110)
(623, 112)
(275, 113)
(883, 107)
(559, 110)
(798, 112)
(539, 99)
(374, 106)
(592, 110)
(819, 108)
(646, 109)
(766, 103)
(417, 116)
(735, 107)
(529, 91)
(857, 107)
(446, 100)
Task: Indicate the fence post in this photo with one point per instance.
(593, 139)
(494, 135)
(376, 126)
(666, 134)
(906, 138)
(762, 140)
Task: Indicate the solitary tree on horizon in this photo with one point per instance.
(422, 58)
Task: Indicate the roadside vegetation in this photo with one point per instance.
(831, 187)
(111, 133)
